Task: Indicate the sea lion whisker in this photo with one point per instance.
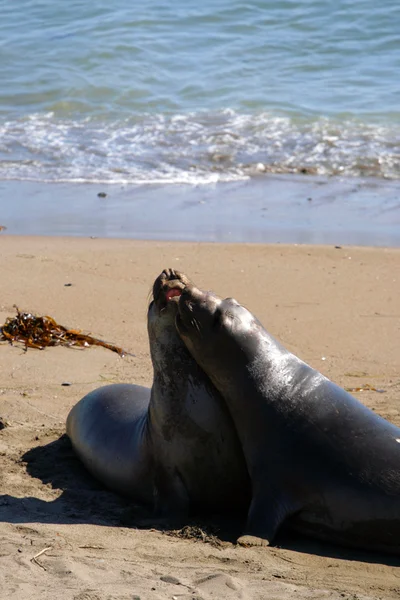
(196, 325)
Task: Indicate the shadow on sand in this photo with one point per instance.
(83, 499)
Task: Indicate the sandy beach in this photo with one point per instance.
(62, 534)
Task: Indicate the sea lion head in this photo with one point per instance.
(163, 306)
(165, 344)
(220, 333)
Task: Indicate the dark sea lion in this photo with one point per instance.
(319, 460)
(172, 447)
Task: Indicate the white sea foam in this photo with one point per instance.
(194, 148)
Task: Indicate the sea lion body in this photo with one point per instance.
(172, 447)
(107, 428)
(319, 460)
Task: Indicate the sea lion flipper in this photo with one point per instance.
(268, 510)
(171, 498)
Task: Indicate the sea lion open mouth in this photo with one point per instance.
(167, 286)
(172, 293)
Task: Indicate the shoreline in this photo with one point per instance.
(294, 209)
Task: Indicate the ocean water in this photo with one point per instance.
(198, 92)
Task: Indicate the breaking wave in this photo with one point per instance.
(194, 148)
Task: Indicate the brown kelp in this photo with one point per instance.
(40, 332)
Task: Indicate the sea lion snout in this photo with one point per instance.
(196, 309)
(194, 299)
(168, 285)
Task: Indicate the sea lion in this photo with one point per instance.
(319, 460)
(172, 447)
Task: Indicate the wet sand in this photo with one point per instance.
(64, 535)
(265, 209)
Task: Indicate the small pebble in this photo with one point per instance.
(102, 195)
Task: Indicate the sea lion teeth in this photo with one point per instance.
(173, 293)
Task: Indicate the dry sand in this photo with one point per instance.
(338, 309)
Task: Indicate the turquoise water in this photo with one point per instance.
(195, 92)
